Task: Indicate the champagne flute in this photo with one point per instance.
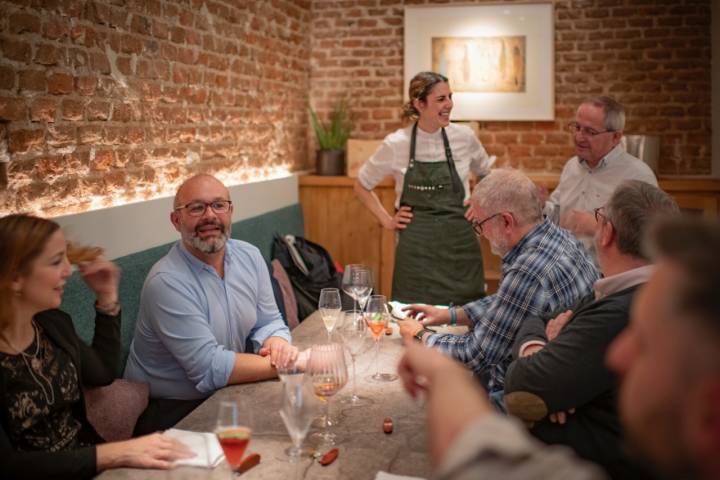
(353, 332)
(376, 317)
(328, 372)
(233, 431)
(330, 306)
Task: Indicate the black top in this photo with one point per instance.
(570, 372)
(59, 441)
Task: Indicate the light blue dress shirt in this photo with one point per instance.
(191, 322)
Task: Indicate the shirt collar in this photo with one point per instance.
(609, 158)
(613, 284)
(536, 232)
(198, 264)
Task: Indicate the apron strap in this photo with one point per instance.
(455, 178)
(413, 137)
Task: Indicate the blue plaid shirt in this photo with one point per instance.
(546, 271)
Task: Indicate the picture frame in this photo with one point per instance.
(500, 58)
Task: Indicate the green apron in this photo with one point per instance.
(438, 258)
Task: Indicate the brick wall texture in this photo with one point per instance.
(123, 96)
(651, 55)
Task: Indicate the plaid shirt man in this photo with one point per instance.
(546, 271)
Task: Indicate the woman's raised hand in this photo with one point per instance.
(102, 276)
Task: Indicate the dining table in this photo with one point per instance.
(364, 448)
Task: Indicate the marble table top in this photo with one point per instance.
(364, 449)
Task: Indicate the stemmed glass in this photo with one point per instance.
(330, 306)
(297, 412)
(358, 283)
(376, 317)
(233, 431)
(353, 331)
(328, 372)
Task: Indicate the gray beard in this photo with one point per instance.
(209, 246)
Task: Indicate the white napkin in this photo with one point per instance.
(208, 452)
(391, 476)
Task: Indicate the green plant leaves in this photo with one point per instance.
(335, 135)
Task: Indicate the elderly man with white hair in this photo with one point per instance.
(544, 269)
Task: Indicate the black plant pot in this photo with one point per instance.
(331, 162)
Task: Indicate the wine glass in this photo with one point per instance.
(298, 410)
(353, 332)
(330, 306)
(376, 317)
(233, 431)
(328, 372)
(357, 282)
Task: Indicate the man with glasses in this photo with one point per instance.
(544, 268)
(600, 164)
(667, 360)
(559, 365)
(207, 314)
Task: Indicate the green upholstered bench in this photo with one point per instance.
(78, 299)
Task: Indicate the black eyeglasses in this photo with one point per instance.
(198, 208)
(599, 215)
(478, 226)
(575, 127)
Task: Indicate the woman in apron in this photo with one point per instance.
(438, 258)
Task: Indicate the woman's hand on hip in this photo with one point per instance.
(400, 220)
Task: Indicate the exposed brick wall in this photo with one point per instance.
(653, 56)
(123, 95)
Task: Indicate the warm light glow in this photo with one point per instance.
(164, 187)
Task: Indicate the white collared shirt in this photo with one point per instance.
(585, 189)
(393, 156)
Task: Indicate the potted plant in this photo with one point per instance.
(331, 140)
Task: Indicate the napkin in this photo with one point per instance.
(391, 476)
(208, 452)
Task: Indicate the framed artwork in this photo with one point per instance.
(500, 59)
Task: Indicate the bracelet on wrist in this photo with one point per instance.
(453, 315)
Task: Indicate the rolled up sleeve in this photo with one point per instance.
(379, 166)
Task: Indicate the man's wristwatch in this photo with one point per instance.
(420, 333)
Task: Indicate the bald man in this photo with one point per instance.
(207, 315)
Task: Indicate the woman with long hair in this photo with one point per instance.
(44, 431)
(438, 258)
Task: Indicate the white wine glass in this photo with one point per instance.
(377, 317)
(363, 286)
(299, 408)
(356, 279)
(353, 331)
(330, 307)
(233, 431)
(328, 373)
